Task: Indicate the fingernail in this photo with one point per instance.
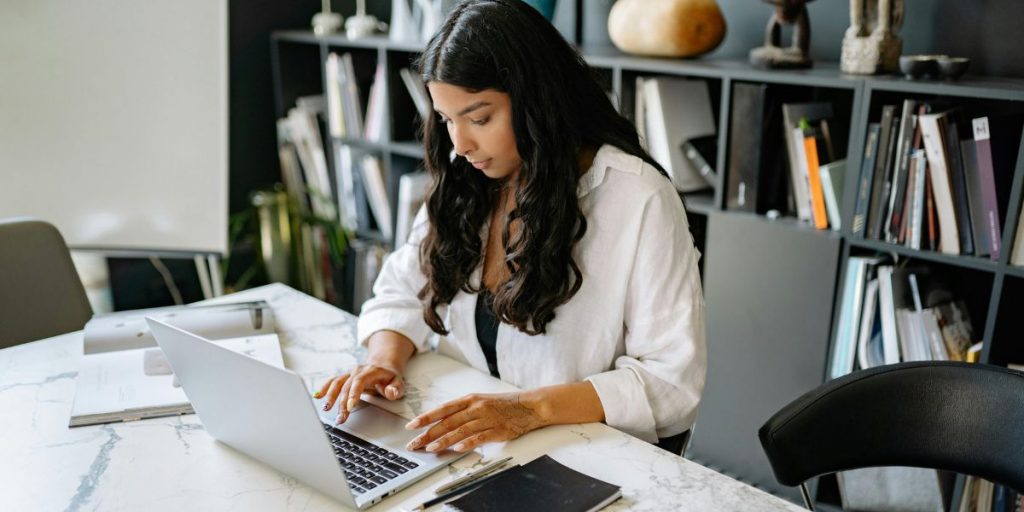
(327, 407)
(412, 424)
(316, 394)
(459, 447)
(432, 447)
(391, 392)
(352, 403)
(415, 443)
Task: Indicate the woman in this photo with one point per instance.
(553, 251)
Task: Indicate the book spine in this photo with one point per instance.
(979, 226)
(864, 188)
(917, 219)
(814, 179)
(880, 183)
(908, 123)
(959, 181)
(983, 151)
(949, 239)
(797, 178)
(744, 146)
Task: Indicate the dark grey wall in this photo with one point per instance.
(987, 31)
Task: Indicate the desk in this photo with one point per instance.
(172, 464)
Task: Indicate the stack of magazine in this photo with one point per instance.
(125, 376)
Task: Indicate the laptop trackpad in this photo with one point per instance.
(388, 430)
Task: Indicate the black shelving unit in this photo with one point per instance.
(990, 287)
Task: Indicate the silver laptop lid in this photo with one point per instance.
(253, 407)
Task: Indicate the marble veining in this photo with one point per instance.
(173, 464)
(99, 465)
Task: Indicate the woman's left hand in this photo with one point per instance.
(467, 422)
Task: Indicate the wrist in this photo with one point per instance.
(540, 402)
(390, 350)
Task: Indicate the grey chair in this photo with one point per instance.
(40, 292)
(961, 417)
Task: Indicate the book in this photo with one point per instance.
(958, 179)
(332, 88)
(756, 176)
(949, 238)
(304, 133)
(348, 200)
(374, 128)
(792, 113)
(901, 176)
(124, 374)
(869, 336)
(904, 143)
(541, 484)
(812, 168)
(915, 220)
(700, 152)
(863, 198)
(832, 176)
(677, 110)
(877, 211)
(376, 193)
(983, 154)
(848, 331)
(887, 312)
(979, 226)
(417, 91)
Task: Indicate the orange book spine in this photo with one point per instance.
(814, 180)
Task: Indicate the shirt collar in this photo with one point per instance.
(607, 156)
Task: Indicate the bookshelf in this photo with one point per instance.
(990, 288)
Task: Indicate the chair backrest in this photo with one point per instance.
(40, 292)
(967, 418)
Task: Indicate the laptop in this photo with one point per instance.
(267, 413)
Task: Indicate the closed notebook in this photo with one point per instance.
(541, 484)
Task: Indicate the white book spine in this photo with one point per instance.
(797, 164)
(867, 322)
(890, 336)
(335, 118)
(949, 240)
(917, 212)
(831, 202)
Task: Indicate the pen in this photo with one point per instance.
(464, 489)
(472, 476)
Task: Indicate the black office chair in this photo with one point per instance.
(967, 418)
(40, 292)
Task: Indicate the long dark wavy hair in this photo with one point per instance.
(558, 110)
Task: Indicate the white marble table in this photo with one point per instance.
(172, 464)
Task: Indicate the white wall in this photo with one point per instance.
(113, 120)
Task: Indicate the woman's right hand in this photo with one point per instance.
(346, 388)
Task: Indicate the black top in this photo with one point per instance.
(487, 330)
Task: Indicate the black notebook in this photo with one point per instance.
(541, 484)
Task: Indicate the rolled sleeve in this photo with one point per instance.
(395, 305)
(625, 402)
(656, 386)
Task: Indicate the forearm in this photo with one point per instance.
(577, 402)
(389, 349)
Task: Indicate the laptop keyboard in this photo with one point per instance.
(366, 465)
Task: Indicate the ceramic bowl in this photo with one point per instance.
(920, 66)
(952, 68)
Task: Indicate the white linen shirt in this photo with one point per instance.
(635, 328)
